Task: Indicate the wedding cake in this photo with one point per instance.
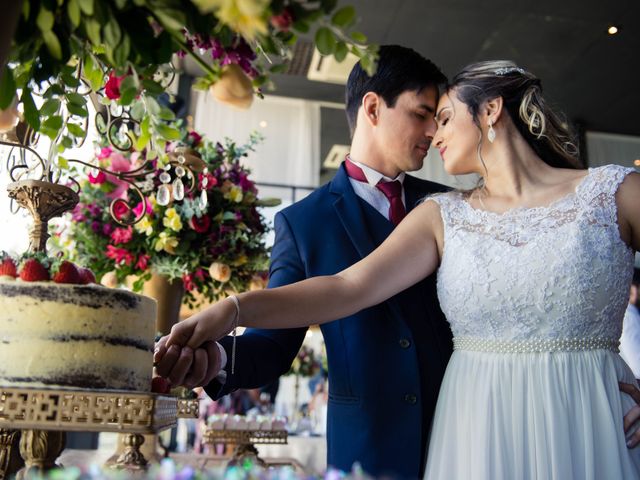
(58, 335)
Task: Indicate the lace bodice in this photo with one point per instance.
(559, 271)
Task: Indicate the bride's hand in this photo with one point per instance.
(212, 323)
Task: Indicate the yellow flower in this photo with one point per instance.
(144, 226)
(247, 17)
(167, 243)
(172, 220)
(220, 271)
(241, 260)
(234, 194)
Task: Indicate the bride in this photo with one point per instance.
(533, 266)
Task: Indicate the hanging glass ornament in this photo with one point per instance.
(178, 189)
(164, 195)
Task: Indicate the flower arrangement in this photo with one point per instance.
(306, 364)
(119, 54)
(210, 237)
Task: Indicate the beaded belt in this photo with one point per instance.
(537, 345)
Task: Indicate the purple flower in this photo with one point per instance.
(94, 210)
(95, 226)
(107, 228)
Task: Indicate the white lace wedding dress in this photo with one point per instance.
(535, 298)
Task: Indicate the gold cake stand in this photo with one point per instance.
(33, 422)
(245, 441)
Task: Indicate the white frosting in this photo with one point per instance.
(85, 336)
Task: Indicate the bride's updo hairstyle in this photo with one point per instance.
(543, 128)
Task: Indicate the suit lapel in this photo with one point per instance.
(349, 211)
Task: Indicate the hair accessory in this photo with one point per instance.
(491, 133)
(507, 70)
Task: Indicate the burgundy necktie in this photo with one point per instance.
(392, 190)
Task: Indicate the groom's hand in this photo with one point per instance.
(632, 416)
(187, 367)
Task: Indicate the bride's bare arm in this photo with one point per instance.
(408, 255)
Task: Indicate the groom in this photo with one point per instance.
(386, 362)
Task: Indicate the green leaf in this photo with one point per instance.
(344, 17)
(144, 127)
(152, 87)
(128, 90)
(92, 73)
(73, 9)
(86, 6)
(7, 88)
(92, 26)
(54, 90)
(50, 107)
(358, 37)
(45, 20)
(279, 68)
(167, 132)
(75, 130)
(121, 53)
(341, 51)
(166, 114)
(300, 26)
(171, 19)
(152, 106)
(137, 110)
(66, 142)
(111, 33)
(26, 10)
(53, 44)
(120, 4)
(80, 111)
(63, 163)
(76, 99)
(53, 123)
(328, 5)
(325, 41)
(30, 109)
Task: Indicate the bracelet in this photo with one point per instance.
(236, 320)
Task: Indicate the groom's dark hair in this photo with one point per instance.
(399, 69)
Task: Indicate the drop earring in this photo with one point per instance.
(491, 133)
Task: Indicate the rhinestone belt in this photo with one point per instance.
(537, 345)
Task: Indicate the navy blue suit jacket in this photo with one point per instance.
(385, 362)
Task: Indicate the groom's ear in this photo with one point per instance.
(493, 109)
(371, 107)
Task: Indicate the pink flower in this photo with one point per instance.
(120, 209)
(137, 210)
(246, 184)
(143, 262)
(200, 225)
(122, 235)
(120, 255)
(200, 274)
(119, 164)
(189, 284)
(195, 137)
(105, 152)
(77, 214)
(98, 179)
(211, 181)
(283, 20)
(112, 87)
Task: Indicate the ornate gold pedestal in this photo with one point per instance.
(43, 415)
(245, 441)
